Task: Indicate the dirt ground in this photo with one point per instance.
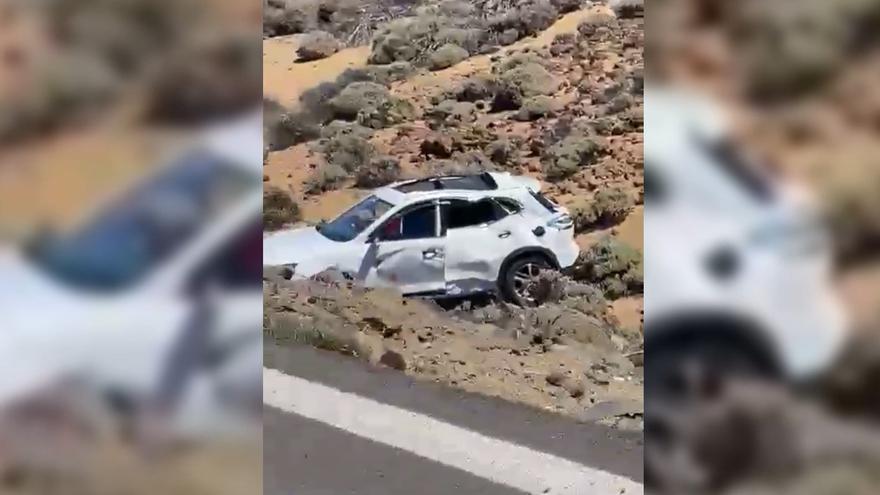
(586, 363)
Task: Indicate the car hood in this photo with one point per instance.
(310, 251)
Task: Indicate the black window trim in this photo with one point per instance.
(438, 231)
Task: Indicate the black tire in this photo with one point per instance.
(510, 284)
(676, 398)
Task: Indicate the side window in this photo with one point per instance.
(237, 265)
(460, 213)
(510, 206)
(418, 223)
(655, 188)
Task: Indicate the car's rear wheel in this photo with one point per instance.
(519, 281)
(687, 445)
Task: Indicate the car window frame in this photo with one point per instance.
(483, 225)
(374, 235)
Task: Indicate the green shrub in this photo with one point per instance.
(503, 152)
(358, 96)
(608, 207)
(326, 178)
(476, 88)
(317, 45)
(388, 113)
(279, 209)
(536, 107)
(531, 79)
(283, 128)
(451, 112)
(446, 56)
(569, 156)
(380, 171)
(613, 266)
(348, 152)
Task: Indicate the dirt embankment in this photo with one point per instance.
(569, 356)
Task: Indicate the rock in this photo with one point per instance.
(575, 388)
(368, 347)
(317, 45)
(394, 360)
(626, 9)
(556, 378)
(626, 407)
(274, 273)
(329, 276)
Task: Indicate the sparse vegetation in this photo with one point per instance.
(349, 152)
(283, 128)
(569, 156)
(608, 207)
(536, 107)
(446, 56)
(613, 266)
(317, 45)
(380, 171)
(503, 152)
(358, 96)
(326, 178)
(279, 209)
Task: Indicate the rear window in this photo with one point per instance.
(546, 203)
(459, 213)
(737, 166)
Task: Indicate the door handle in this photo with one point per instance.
(505, 234)
(431, 253)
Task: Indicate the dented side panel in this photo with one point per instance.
(411, 266)
(475, 254)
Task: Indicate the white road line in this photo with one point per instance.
(489, 458)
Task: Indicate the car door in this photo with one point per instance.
(408, 252)
(479, 236)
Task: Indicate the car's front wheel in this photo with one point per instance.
(519, 282)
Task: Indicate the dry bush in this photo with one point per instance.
(613, 266)
(283, 128)
(279, 209)
(569, 156)
(215, 76)
(317, 45)
(348, 152)
(607, 208)
(536, 107)
(446, 56)
(380, 171)
(325, 178)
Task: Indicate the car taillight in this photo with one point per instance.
(561, 222)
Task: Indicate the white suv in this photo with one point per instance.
(737, 287)
(439, 236)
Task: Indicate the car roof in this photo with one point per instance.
(462, 186)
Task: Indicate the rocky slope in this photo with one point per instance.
(560, 102)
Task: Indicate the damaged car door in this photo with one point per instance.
(480, 235)
(408, 252)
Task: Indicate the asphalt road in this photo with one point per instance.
(337, 426)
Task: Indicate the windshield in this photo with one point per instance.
(131, 237)
(354, 221)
